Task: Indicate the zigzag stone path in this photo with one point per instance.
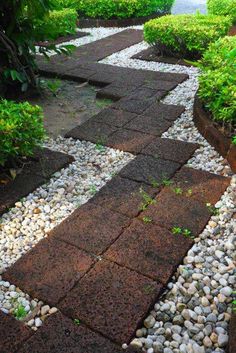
(109, 262)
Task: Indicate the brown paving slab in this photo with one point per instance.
(232, 334)
(171, 210)
(173, 150)
(112, 300)
(145, 93)
(61, 335)
(149, 124)
(166, 111)
(129, 140)
(161, 85)
(49, 270)
(149, 170)
(149, 249)
(92, 131)
(12, 333)
(123, 196)
(91, 228)
(114, 117)
(115, 92)
(205, 187)
(132, 105)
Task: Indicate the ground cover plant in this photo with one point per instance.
(185, 36)
(222, 7)
(108, 9)
(218, 81)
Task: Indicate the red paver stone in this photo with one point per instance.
(49, 270)
(161, 85)
(112, 300)
(60, 335)
(132, 105)
(149, 124)
(149, 170)
(200, 185)
(150, 250)
(115, 92)
(145, 93)
(173, 150)
(114, 117)
(123, 196)
(92, 131)
(168, 112)
(129, 140)
(12, 333)
(171, 210)
(91, 228)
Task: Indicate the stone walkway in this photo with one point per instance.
(108, 263)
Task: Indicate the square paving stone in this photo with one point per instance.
(171, 210)
(149, 170)
(132, 105)
(60, 335)
(111, 300)
(88, 228)
(123, 195)
(201, 185)
(149, 249)
(173, 150)
(115, 92)
(92, 131)
(12, 333)
(165, 111)
(161, 85)
(149, 124)
(129, 140)
(145, 93)
(114, 117)
(49, 270)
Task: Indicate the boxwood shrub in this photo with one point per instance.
(63, 4)
(217, 83)
(109, 9)
(222, 7)
(185, 36)
(21, 130)
(57, 23)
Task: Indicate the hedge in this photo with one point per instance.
(21, 130)
(109, 9)
(222, 7)
(217, 83)
(185, 36)
(57, 23)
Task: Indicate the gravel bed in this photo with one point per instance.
(33, 217)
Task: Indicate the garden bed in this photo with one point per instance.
(214, 133)
(151, 55)
(34, 172)
(62, 39)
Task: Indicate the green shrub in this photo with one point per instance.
(185, 36)
(217, 83)
(223, 8)
(107, 9)
(63, 4)
(57, 23)
(21, 130)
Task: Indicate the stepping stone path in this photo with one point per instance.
(109, 262)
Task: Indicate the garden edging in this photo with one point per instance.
(216, 138)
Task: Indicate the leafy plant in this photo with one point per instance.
(176, 230)
(178, 191)
(100, 144)
(184, 231)
(21, 130)
(166, 182)
(147, 219)
(107, 9)
(53, 86)
(93, 189)
(223, 8)
(20, 312)
(185, 36)
(212, 209)
(147, 200)
(77, 322)
(234, 140)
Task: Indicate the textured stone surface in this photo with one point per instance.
(149, 124)
(123, 196)
(88, 228)
(111, 300)
(166, 111)
(133, 105)
(114, 117)
(60, 335)
(205, 187)
(49, 270)
(129, 140)
(149, 170)
(232, 335)
(171, 210)
(115, 91)
(92, 131)
(150, 250)
(12, 333)
(173, 150)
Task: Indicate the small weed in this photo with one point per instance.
(154, 183)
(147, 219)
(101, 103)
(53, 86)
(147, 200)
(176, 230)
(166, 182)
(93, 189)
(20, 312)
(187, 233)
(234, 140)
(77, 322)
(189, 192)
(234, 302)
(212, 209)
(178, 191)
(148, 288)
(183, 231)
(100, 145)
